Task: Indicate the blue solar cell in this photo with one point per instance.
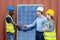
(26, 15)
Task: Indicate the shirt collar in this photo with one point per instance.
(41, 16)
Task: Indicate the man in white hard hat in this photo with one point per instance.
(40, 23)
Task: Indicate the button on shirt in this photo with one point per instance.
(40, 23)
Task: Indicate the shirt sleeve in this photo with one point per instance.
(8, 19)
(51, 27)
(31, 25)
(45, 22)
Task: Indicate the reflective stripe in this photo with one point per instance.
(51, 36)
(10, 17)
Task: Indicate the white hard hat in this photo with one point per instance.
(40, 9)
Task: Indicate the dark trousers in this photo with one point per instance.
(39, 36)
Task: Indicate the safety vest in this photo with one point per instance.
(10, 26)
(50, 35)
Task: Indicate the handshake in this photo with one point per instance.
(19, 26)
(23, 26)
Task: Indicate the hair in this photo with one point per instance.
(41, 12)
(52, 17)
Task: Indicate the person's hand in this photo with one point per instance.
(23, 27)
(16, 25)
(44, 29)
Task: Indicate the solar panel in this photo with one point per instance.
(26, 14)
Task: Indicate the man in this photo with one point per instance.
(40, 23)
(10, 23)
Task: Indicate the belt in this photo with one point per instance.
(39, 32)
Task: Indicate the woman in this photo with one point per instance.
(50, 34)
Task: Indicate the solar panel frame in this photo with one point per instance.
(29, 32)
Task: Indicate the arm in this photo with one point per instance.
(45, 24)
(8, 19)
(31, 25)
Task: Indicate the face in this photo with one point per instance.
(38, 13)
(12, 12)
(48, 16)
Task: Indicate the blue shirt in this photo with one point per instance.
(40, 23)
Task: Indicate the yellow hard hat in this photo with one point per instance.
(50, 11)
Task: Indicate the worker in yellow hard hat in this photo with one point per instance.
(50, 33)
